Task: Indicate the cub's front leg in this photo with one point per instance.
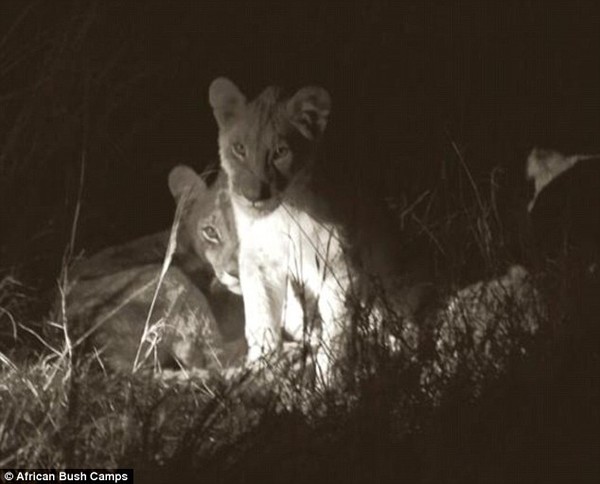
(334, 298)
(263, 305)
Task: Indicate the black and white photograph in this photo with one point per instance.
(345, 241)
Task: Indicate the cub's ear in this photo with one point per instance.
(539, 153)
(182, 178)
(309, 110)
(226, 100)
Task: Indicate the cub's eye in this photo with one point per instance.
(281, 151)
(211, 234)
(239, 150)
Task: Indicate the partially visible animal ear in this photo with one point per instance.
(309, 110)
(182, 178)
(226, 100)
(538, 152)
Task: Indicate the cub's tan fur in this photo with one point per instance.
(195, 321)
(208, 223)
(208, 243)
(108, 314)
(293, 252)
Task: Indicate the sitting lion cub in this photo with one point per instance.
(298, 268)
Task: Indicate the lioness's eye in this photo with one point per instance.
(239, 150)
(281, 151)
(211, 234)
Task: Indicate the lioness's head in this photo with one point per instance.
(208, 223)
(265, 144)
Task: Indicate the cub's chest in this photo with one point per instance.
(271, 237)
(290, 240)
(265, 242)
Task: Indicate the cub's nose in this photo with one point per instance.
(258, 192)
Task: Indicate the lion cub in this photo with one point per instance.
(298, 269)
(208, 240)
(197, 320)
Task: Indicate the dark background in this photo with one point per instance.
(123, 86)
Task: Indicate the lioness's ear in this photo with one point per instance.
(226, 100)
(182, 178)
(309, 110)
